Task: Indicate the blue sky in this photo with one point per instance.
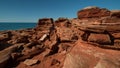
(32, 10)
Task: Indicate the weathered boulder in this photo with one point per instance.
(93, 12)
(99, 38)
(45, 21)
(68, 34)
(65, 34)
(62, 22)
(116, 35)
(44, 24)
(5, 55)
(117, 43)
(65, 47)
(30, 62)
(5, 36)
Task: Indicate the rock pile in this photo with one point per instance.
(90, 41)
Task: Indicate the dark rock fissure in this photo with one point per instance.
(111, 37)
(55, 48)
(85, 35)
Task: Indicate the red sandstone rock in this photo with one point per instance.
(110, 20)
(63, 22)
(99, 38)
(93, 12)
(65, 47)
(45, 21)
(3, 36)
(67, 34)
(60, 49)
(44, 24)
(116, 35)
(117, 43)
(84, 55)
(5, 55)
(30, 62)
(30, 53)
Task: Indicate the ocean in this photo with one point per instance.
(15, 25)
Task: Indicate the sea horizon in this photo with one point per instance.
(18, 22)
(16, 25)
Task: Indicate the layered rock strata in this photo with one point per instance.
(90, 41)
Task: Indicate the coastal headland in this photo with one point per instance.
(91, 40)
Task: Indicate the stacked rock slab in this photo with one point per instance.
(44, 24)
(100, 25)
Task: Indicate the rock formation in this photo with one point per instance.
(93, 12)
(92, 40)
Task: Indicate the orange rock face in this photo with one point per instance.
(99, 38)
(90, 41)
(44, 24)
(93, 12)
(84, 55)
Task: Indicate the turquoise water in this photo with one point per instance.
(15, 26)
